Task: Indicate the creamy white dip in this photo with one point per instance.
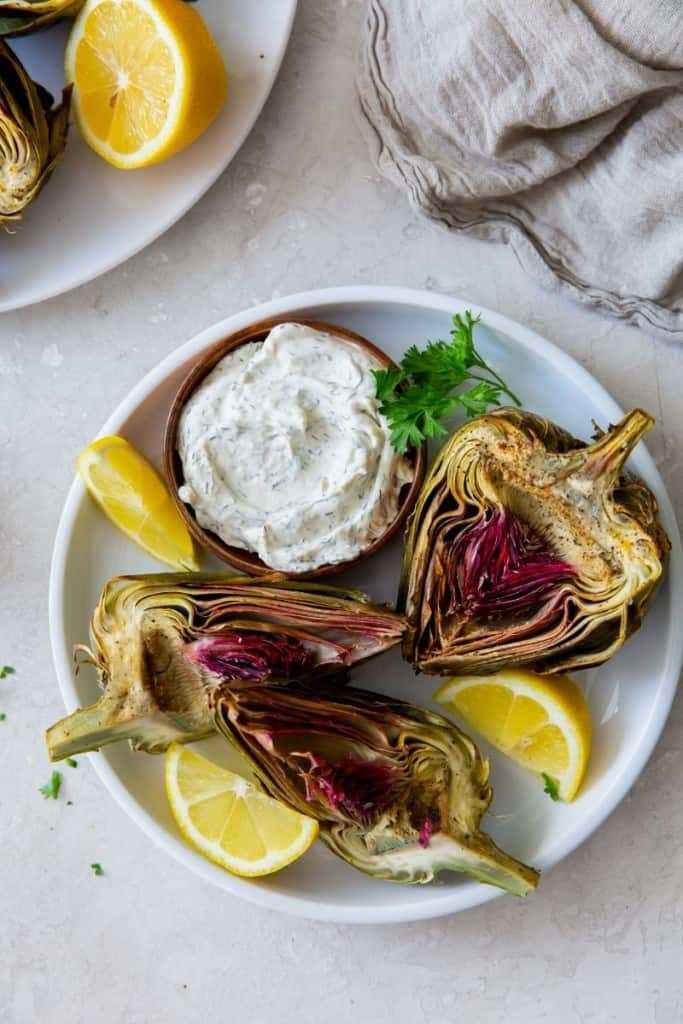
(285, 453)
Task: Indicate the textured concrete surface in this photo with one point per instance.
(150, 944)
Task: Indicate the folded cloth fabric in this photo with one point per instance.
(556, 126)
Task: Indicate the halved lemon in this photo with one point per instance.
(130, 491)
(148, 78)
(542, 722)
(230, 820)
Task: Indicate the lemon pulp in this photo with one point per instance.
(542, 722)
(148, 77)
(229, 819)
(132, 494)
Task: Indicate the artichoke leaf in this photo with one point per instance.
(161, 644)
(529, 547)
(33, 135)
(20, 17)
(398, 790)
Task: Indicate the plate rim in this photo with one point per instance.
(7, 306)
(443, 902)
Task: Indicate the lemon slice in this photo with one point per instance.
(542, 722)
(148, 78)
(230, 820)
(131, 492)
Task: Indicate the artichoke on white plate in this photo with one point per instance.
(529, 547)
(399, 791)
(33, 135)
(162, 643)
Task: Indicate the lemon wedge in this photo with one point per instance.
(542, 722)
(131, 492)
(148, 78)
(230, 820)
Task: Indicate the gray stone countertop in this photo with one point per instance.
(300, 207)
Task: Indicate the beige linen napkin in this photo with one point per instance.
(553, 125)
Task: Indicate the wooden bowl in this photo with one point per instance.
(248, 561)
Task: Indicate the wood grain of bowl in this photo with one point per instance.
(248, 561)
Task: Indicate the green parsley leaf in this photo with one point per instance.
(477, 400)
(6, 670)
(386, 381)
(436, 366)
(551, 787)
(97, 869)
(462, 337)
(51, 789)
(423, 391)
(3, 716)
(72, 763)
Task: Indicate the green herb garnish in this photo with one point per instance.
(6, 670)
(3, 716)
(551, 787)
(72, 762)
(97, 869)
(417, 396)
(51, 789)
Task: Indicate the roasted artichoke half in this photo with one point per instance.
(32, 135)
(398, 790)
(162, 643)
(19, 17)
(529, 547)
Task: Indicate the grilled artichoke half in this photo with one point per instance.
(19, 17)
(32, 135)
(528, 547)
(398, 790)
(162, 643)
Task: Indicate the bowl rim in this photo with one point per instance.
(439, 902)
(206, 362)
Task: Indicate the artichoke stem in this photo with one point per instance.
(106, 722)
(475, 855)
(604, 460)
(84, 730)
(482, 859)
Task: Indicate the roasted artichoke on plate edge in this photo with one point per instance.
(32, 135)
(528, 547)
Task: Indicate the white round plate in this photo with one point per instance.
(90, 216)
(630, 697)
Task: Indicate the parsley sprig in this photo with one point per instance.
(51, 789)
(5, 671)
(419, 394)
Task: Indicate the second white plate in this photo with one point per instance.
(629, 697)
(90, 216)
